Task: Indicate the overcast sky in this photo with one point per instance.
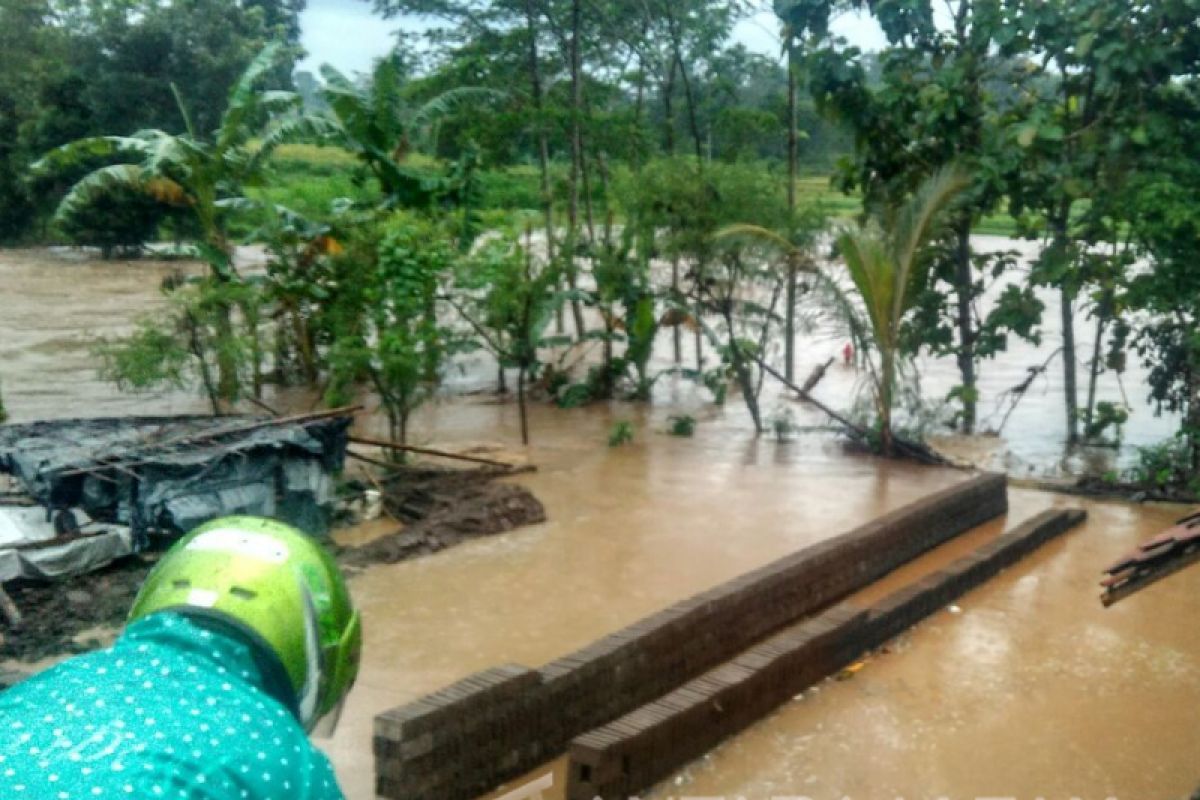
(347, 35)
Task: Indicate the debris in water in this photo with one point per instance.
(441, 507)
(849, 672)
(1152, 560)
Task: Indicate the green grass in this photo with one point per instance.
(308, 178)
(816, 189)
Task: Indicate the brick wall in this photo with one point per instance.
(631, 753)
(468, 738)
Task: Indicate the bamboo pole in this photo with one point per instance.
(429, 451)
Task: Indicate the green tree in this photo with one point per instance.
(939, 99)
(389, 329)
(508, 297)
(1163, 202)
(381, 124)
(31, 49)
(1078, 132)
(189, 345)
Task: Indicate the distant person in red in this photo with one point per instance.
(848, 354)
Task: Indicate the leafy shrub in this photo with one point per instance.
(621, 433)
(1108, 415)
(682, 425)
(1165, 465)
(573, 395)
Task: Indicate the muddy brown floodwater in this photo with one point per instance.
(1032, 690)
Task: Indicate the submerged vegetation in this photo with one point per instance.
(565, 186)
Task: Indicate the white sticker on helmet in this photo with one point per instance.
(242, 543)
(202, 598)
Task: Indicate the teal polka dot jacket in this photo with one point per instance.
(173, 710)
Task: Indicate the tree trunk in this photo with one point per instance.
(227, 377)
(691, 106)
(669, 110)
(789, 322)
(1069, 366)
(965, 322)
(1089, 414)
(211, 388)
(576, 166)
(638, 103)
(887, 383)
(521, 404)
(676, 332)
(1192, 420)
(535, 91)
(742, 371)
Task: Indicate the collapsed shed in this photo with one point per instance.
(106, 486)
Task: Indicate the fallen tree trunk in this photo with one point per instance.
(913, 450)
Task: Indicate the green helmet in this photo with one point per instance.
(278, 585)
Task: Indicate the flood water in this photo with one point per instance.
(1033, 690)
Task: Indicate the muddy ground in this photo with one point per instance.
(433, 508)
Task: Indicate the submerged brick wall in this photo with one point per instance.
(617, 760)
(488, 728)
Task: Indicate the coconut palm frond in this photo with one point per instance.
(873, 274)
(755, 234)
(916, 219)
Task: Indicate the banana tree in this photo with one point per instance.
(205, 175)
(380, 124)
(886, 264)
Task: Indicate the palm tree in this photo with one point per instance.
(205, 175)
(886, 263)
(382, 127)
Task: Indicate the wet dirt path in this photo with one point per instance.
(1033, 690)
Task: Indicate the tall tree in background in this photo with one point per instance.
(31, 48)
(75, 69)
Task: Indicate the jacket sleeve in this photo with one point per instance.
(322, 783)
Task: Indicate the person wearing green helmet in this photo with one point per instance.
(242, 639)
